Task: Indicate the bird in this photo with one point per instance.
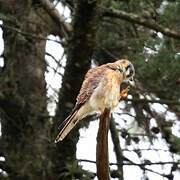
(100, 90)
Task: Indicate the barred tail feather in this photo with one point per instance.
(67, 126)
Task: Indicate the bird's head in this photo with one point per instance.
(125, 67)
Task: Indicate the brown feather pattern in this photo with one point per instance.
(91, 81)
(100, 89)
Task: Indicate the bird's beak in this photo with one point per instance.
(131, 81)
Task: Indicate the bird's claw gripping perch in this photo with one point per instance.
(124, 92)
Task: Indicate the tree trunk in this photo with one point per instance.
(23, 99)
(79, 54)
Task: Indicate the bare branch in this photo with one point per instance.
(146, 149)
(117, 147)
(168, 102)
(142, 165)
(130, 163)
(133, 18)
(17, 30)
(64, 27)
(58, 62)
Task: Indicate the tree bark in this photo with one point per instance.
(79, 54)
(23, 95)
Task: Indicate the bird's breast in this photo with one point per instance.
(111, 98)
(106, 95)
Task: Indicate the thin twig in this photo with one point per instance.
(168, 102)
(64, 27)
(132, 163)
(17, 30)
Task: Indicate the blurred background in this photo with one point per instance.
(47, 46)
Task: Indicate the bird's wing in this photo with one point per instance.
(66, 126)
(90, 83)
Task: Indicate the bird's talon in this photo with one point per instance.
(124, 92)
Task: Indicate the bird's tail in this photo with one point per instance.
(66, 126)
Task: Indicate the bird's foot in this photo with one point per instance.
(124, 92)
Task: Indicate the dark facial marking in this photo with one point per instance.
(131, 70)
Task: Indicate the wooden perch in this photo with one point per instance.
(102, 158)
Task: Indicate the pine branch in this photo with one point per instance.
(7, 18)
(134, 18)
(5, 167)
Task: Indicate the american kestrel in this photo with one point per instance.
(100, 89)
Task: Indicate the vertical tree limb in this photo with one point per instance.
(117, 148)
(102, 158)
(79, 54)
(23, 95)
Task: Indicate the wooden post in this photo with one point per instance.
(102, 158)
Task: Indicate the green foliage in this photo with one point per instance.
(156, 57)
(75, 171)
(116, 38)
(160, 74)
(171, 15)
(175, 144)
